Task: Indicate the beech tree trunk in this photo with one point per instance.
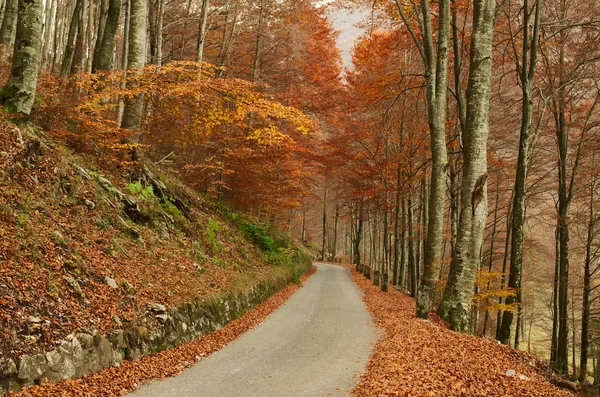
(436, 73)
(18, 94)
(202, 30)
(107, 42)
(456, 302)
(585, 313)
(136, 59)
(324, 241)
(528, 67)
(9, 25)
(70, 45)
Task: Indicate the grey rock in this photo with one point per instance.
(90, 204)
(111, 282)
(33, 319)
(117, 321)
(58, 237)
(86, 340)
(32, 367)
(162, 318)
(75, 285)
(7, 367)
(127, 287)
(82, 171)
(157, 308)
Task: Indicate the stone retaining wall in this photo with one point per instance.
(85, 353)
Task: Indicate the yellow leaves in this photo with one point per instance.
(195, 103)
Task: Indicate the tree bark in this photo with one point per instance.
(136, 59)
(436, 73)
(70, 45)
(108, 44)
(527, 75)
(18, 94)
(9, 25)
(202, 31)
(324, 231)
(456, 302)
(585, 313)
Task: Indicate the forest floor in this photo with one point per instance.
(416, 357)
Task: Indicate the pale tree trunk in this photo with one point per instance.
(303, 231)
(588, 272)
(90, 36)
(202, 30)
(358, 237)
(48, 31)
(324, 241)
(77, 62)
(2, 9)
(9, 25)
(70, 45)
(136, 59)
(436, 71)
(456, 302)
(18, 94)
(527, 75)
(159, 32)
(335, 232)
(58, 27)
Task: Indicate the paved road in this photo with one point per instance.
(312, 346)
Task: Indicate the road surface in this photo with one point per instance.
(314, 345)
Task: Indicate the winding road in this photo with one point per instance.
(314, 345)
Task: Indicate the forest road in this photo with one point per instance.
(314, 345)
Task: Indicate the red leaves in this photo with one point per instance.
(420, 358)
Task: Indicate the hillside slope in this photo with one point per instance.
(87, 244)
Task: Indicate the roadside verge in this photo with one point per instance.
(416, 357)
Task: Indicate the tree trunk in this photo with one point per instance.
(100, 32)
(70, 45)
(585, 313)
(324, 240)
(48, 35)
(257, 51)
(9, 25)
(529, 61)
(159, 32)
(77, 63)
(412, 265)
(107, 45)
(456, 302)
(437, 85)
(358, 237)
(136, 59)
(202, 31)
(335, 232)
(18, 94)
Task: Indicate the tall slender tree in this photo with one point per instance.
(456, 302)
(18, 94)
(136, 59)
(435, 60)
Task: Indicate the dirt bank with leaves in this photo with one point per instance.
(415, 357)
(89, 246)
(117, 381)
